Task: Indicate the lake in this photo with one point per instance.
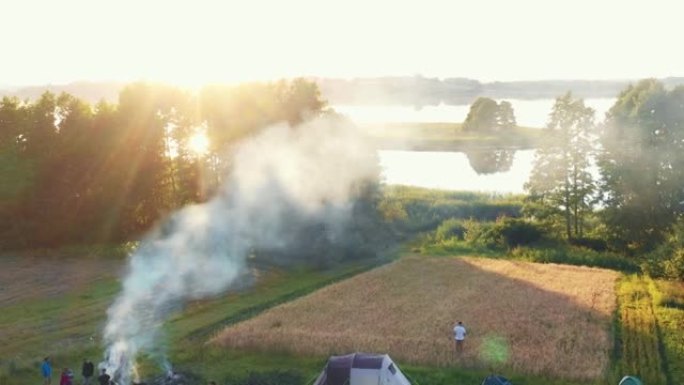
(453, 170)
(529, 113)
(493, 171)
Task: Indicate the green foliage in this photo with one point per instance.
(74, 173)
(638, 349)
(450, 228)
(560, 186)
(574, 256)
(667, 260)
(416, 209)
(486, 115)
(517, 232)
(642, 164)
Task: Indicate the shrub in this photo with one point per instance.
(450, 228)
(575, 256)
(595, 244)
(517, 232)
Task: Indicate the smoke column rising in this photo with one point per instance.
(279, 177)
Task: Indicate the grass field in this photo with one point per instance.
(651, 319)
(528, 318)
(449, 137)
(55, 305)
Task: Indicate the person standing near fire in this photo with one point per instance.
(104, 378)
(87, 371)
(46, 371)
(459, 336)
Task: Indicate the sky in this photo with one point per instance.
(195, 42)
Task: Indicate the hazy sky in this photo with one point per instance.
(196, 41)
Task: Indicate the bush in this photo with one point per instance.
(667, 260)
(450, 228)
(575, 256)
(480, 234)
(595, 244)
(517, 232)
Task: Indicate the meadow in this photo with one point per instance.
(449, 136)
(55, 305)
(522, 317)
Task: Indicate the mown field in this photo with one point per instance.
(522, 317)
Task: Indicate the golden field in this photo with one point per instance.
(532, 318)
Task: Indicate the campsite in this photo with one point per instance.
(335, 192)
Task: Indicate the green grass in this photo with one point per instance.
(451, 137)
(669, 310)
(414, 209)
(68, 327)
(648, 326)
(230, 366)
(638, 346)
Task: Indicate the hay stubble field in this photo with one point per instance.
(531, 318)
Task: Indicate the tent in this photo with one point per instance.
(496, 380)
(629, 380)
(361, 369)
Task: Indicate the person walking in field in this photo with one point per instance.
(459, 336)
(46, 371)
(88, 370)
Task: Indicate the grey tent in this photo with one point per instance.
(361, 369)
(629, 380)
(496, 380)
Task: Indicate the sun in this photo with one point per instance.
(199, 144)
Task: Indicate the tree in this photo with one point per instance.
(482, 115)
(505, 117)
(560, 183)
(485, 161)
(642, 163)
(486, 115)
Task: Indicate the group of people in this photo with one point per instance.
(67, 376)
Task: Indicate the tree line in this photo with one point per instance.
(72, 172)
(611, 184)
(635, 202)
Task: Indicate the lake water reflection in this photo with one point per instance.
(505, 171)
(496, 171)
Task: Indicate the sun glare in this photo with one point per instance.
(199, 144)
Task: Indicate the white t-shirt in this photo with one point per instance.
(459, 332)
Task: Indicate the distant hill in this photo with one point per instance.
(414, 91)
(90, 91)
(420, 91)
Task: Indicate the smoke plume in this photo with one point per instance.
(284, 182)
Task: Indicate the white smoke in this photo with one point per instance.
(313, 172)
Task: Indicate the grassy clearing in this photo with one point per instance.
(525, 318)
(64, 320)
(651, 339)
(637, 349)
(450, 137)
(414, 209)
(669, 309)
